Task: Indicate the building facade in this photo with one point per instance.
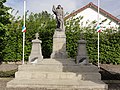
(90, 14)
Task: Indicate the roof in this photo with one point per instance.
(91, 5)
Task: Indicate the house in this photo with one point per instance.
(90, 14)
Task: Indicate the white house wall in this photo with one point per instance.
(90, 15)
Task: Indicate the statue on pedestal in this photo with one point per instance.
(59, 16)
(59, 37)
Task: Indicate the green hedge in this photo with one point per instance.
(45, 24)
(109, 42)
(5, 74)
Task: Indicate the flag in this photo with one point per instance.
(23, 29)
(99, 29)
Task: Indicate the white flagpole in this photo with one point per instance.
(24, 32)
(98, 32)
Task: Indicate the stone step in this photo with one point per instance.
(58, 68)
(42, 68)
(58, 61)
(91, 76)
(57, 75)
(47, 75)
(57, 84)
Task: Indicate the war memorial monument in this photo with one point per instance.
(58, 72)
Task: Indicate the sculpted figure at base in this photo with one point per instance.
(59, 16)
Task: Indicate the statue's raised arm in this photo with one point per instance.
(54, 9)
(59, 16)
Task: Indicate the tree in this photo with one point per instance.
(4, 21)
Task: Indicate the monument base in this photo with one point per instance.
(58, 74)
(82, 57)
(59, 55)
(59, 45)
(36, 52)
(82, 60)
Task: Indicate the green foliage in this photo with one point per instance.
(73, 34)
(43, 23)
(110, 47)
(4, 20)
(109, 41)
(5, 74)
(13, 49)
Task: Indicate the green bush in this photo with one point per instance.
(5, 74)
(109, 42)
(45, 24)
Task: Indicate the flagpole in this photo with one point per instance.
(98, 32)
(24, 32)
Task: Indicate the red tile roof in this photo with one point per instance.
(91, 5)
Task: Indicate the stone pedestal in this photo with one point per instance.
(51, 74)
(82, 57)
(36, 54)
(59, 45)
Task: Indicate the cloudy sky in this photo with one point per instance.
(36, 6)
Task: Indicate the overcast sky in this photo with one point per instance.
(36, 6)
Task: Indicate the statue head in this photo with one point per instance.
(37, 35)
(59, 6)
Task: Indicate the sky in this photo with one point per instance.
(37, 6)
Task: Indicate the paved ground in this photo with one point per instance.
(112, 84)
(110, 72)
(111, 68)
(8, 67)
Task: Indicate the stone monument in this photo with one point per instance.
(82, 57)
(36, 53)
(59, 37)
(57, 72)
